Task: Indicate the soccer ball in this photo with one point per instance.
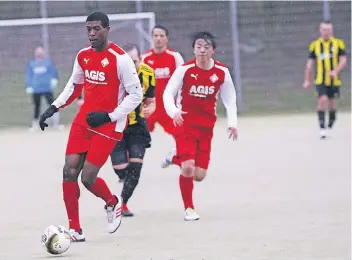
(56, 239)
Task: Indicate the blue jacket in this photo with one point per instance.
(39, 75)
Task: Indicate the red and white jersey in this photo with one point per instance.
(164, 65)
(106, 78)
(197, 90)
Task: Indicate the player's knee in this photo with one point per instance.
(322, 101)
(134, 169)
(188, 168)
(89, 175)
(199, 174)
(332, 104)
(121, 172)
(70, 173)
(88, 180)
(137, 153)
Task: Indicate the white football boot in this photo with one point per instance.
(191, 215)
(168, 159)
(114, 215)
(34, 127)
(322, 133)
(76, 236)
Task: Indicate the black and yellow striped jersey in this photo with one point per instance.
(326, 53)
(147, 78)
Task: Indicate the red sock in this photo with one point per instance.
(101, 190)
(71, 195)
(186, 186)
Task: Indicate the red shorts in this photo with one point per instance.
(193, 143)
(163, 119)
(97, 146)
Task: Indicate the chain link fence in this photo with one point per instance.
(273, 46)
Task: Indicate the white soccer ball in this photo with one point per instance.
(56, 239)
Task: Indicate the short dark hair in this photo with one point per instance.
(99, 16)
(131, 46)
(207, 36)
(327, 22)
(159, 26)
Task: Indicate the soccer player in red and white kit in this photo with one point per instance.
(196, 85)
(164, 61)
(111, 91)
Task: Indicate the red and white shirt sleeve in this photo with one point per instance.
(128, 76)
(228, 97)
(178, 59)
(73, 87)
(173, 88)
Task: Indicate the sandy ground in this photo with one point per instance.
(278, 193)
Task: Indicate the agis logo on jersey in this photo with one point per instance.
(94, 75)
(201, 91)
(162, 73)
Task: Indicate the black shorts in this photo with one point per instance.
(135, 140)
(332, 92)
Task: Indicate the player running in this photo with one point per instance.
(196, 85)
(164, 61)
(106, 74)
(127, 157)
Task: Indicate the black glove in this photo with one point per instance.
(47, 114)
(96, 119)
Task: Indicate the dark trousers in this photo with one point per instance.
(49, 97)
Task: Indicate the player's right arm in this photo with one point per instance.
(71, 91)
(73, 88)
(173, 86)
(309, 66)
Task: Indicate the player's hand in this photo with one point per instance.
(233, 133)
(148, 110)
(80, 102)
(96, 119)
(178, 119)
(47, 114)
(333, 73)
(53, 83)
(29, 90)
(306, 84)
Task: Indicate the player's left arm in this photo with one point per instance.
(149, 97)
(228, 97)
(342, 58)
(130, 81)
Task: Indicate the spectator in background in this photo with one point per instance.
(41, 80)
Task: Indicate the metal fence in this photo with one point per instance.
(265, 43)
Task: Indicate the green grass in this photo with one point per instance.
(288, 100)
(16, 107)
